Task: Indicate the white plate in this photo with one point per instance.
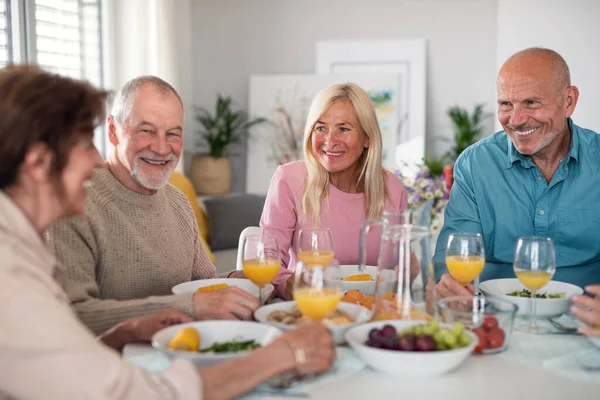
(406, 363)
(244, 284)
(334, 276)
(359, 313)
(544, 308)
(212, 332)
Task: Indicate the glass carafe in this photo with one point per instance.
(404, 267)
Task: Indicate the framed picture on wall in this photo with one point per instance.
(407, 59)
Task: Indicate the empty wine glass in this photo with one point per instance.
(534, 265)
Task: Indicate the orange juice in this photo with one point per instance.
(261, 272)
(534, 280)
(465, 269)
(317, 304)
(316, 257)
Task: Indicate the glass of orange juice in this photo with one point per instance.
(314, 300)
(534, 265)
(315, 247)
(261, 260)
(465, 257)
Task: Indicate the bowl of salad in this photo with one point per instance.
(210, 342)
(551, 301)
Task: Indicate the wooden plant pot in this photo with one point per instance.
(211, 176)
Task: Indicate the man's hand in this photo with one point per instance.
(587, 309)
(144, 327)
(229, 303)
(448, 286)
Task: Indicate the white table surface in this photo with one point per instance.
(530, 369)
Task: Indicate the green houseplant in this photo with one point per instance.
(467, 130)
(211, 173)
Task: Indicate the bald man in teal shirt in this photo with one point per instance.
(540, 176)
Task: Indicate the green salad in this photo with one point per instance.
(231, 346)
(527, 293)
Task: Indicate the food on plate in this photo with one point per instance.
(212, 288)
(527, 293)
(356, 297)
(231, 346)
(294, 316)
(490, 335)
(428, 337)
(358, 278)
(186, 339)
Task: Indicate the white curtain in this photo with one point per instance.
(150, 37)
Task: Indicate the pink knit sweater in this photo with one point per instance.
(344, 215)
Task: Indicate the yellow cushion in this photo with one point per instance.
(182, 183)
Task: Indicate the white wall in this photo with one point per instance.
(150, 37)
(569, 27)
(232, 39)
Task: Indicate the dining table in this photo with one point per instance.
(551, 366)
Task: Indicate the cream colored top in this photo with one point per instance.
(45, 352)
(123, 256)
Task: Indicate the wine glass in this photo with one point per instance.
(465, 257)
(315, 247)
(314, 299)
(534, 265)
(261, 260)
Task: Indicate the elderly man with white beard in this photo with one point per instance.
(138, 237)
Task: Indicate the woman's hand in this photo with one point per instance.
(587, 309)
(141, 329)
(144, 327)
(311, 347)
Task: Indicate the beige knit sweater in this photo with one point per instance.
(122, 257)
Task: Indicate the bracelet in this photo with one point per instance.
(298, 354)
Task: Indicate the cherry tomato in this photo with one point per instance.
(495, 338)
(482, 340)
(489, 323)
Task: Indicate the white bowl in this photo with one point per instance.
(406, 363)
(334, 278)
(212, 332)
(244, 284)
(544, 308)
(359, 313)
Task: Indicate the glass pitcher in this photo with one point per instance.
(404, 269)
(420, 216)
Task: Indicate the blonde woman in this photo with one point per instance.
(340, 185)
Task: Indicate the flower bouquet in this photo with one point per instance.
(425, 187)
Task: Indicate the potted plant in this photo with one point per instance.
(467, 130)
(211, 173)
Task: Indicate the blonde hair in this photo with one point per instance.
(372, 174)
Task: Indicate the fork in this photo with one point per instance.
(563, 328)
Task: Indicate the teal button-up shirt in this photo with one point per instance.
(503, 195)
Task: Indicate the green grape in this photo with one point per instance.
(458, 328)
(451, 341)
(428, 330)
(464, 340)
